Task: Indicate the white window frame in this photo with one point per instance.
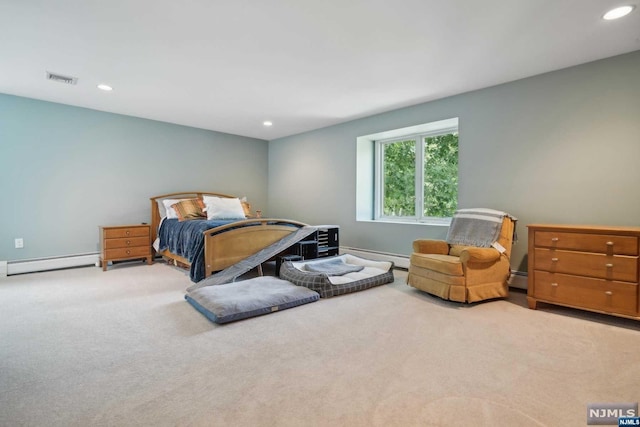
(433, 129)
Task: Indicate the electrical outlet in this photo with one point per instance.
(19, 243)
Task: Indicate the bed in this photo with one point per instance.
(206, 245)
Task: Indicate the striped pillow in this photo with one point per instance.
(189, 209)
(246, 207)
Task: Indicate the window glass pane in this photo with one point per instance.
(399, 163)
(440, 175)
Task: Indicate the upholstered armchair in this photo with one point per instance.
(461, 272)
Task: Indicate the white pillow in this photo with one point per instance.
(169, 212)
(223, 208)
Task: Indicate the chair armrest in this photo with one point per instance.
(425, 246)
(479, 255)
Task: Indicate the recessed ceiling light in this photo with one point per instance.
(618, 12)
(267, 123)
(105, 87)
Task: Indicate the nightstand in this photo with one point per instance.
(122, 242)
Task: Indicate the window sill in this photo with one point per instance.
(444, 223)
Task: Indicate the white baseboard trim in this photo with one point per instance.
(400, 261)
(3, 269)
(45, 264)
(518, 279)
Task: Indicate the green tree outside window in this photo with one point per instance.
(440, 175)
(440, 172)
(399, 178)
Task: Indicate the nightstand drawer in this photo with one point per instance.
(602, 243)
(126, 242)
(597, 294)
(121, 232)
(121, 253)
(624, 268)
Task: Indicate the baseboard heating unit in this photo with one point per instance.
(518, 279)
(400, 261)
(55, 263)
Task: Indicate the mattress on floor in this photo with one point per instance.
(248, 298)
(314, 275)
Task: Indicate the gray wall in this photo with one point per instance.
(562, 147)
(65, 170)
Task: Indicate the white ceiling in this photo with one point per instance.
(230, 65)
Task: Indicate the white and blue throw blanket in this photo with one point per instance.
(476, 227)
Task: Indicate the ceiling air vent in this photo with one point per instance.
(61, 79)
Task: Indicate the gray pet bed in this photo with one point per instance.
(248, 298)
(338, 275)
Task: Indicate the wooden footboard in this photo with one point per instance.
(229, 244)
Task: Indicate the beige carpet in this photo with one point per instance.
(82, 347)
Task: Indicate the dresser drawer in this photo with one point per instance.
(121, 232)
(121, 253)
(603, 243)
(126, 242)
(596, 294)
(619, 267)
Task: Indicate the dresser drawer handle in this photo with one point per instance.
(128, 242)
(128, 252)
(554, 259)
(609, 243)
(554, 284)
(127, 232)
(555, 239)
(608, 293)
(609, 265)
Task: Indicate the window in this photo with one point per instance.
(416, 175)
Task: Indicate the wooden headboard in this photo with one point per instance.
(155, 211)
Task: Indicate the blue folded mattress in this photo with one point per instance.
(248, 298)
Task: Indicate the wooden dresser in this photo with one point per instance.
(588, 267)
(122, 242)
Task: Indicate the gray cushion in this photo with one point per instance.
(333, 267)
(248, 298)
